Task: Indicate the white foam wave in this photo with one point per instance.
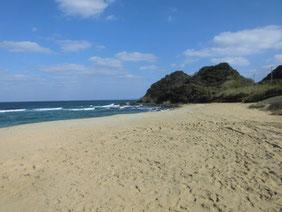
(125, 106)
(13, 110)
(152, 109)
(108, 106)
(81, 109)
(165, 110)
(48, 109)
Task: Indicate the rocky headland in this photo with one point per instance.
(219, 83)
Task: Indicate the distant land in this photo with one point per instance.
(219, 83)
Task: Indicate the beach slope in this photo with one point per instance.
(200, 157)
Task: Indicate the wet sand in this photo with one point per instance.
(201, 157)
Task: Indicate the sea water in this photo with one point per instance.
(15, 113)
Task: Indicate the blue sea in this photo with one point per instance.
(15, 113)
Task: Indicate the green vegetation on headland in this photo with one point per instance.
(220, 83)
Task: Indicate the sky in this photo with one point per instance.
(115, 49)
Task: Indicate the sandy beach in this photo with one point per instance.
(201, 157)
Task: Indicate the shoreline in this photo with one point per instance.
(74, 119)
(28, 113)
(199, 157)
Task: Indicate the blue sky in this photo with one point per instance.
(115, 49)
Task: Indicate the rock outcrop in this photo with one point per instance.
(166, 88)
(203, 86)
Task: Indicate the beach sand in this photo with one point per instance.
(200, 157)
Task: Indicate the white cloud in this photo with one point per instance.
(198, 53)
(107, 62)
(278, 59)
(73, 45)
(238, 61)
(269, 67)
(100, 47)
(53, 37)
(34, 29)
(2, 71)
(244, 42)
(136, 57)
(111, 18)
(101, 67)
(83, 8)
(23, 46)
(151, 67)
(186, 61)
(252, 40)
(130, 76)
(18, 77)
(65, 69)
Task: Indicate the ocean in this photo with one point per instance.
(16, 113)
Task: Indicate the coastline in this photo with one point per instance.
(18, 113)
(199, 157)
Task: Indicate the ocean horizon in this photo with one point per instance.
(17, 113)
